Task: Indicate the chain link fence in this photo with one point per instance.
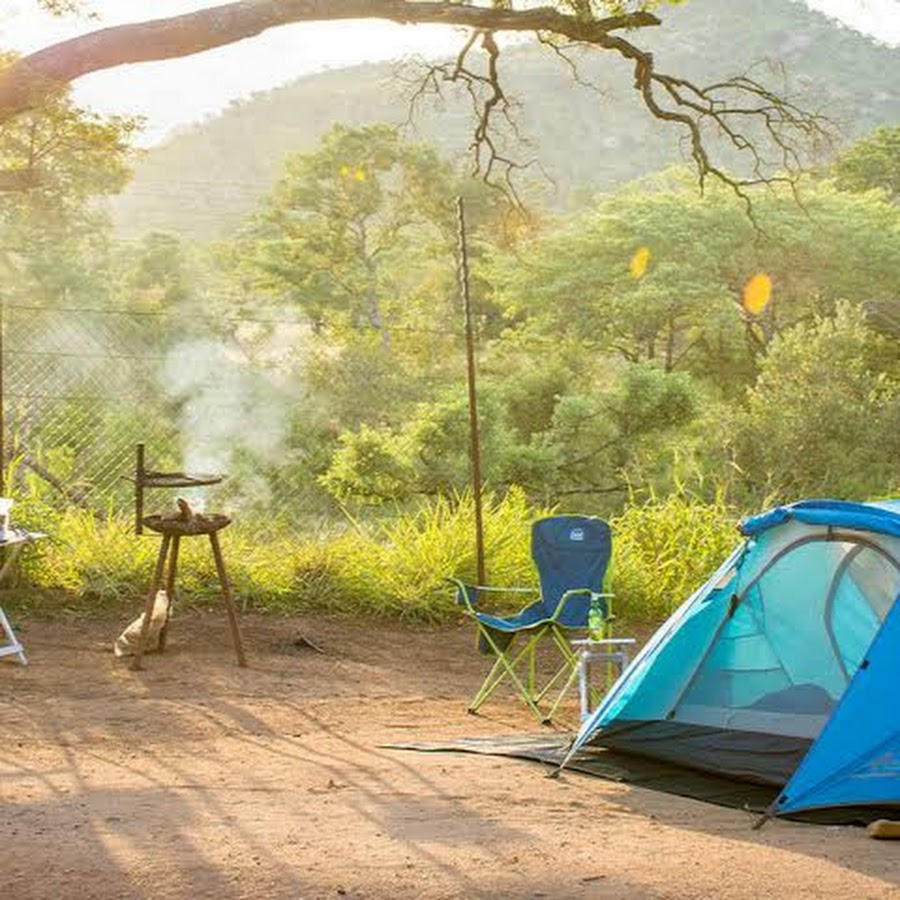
(82, 387)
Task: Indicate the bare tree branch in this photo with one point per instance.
(488, 102)
(767, 129)
(25, 83)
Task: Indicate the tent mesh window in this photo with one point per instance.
(790, 646)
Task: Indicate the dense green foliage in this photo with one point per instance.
(872, 164)
(664, 550)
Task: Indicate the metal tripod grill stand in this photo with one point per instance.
(172, 531)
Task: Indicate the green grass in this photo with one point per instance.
(400, 569)
(396, 568)
(664, 549)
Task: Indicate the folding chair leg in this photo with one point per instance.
(521, 671)
(532, 664)
(500, 671)
(570, 679)
(569, 669)
(505, 668)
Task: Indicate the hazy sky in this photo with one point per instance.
(205, 83)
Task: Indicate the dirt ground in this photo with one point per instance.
(195, 778)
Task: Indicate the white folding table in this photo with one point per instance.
(612, 651)
(13, 542)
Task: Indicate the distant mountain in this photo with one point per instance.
(202, 182)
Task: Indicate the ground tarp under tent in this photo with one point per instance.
(783, 669)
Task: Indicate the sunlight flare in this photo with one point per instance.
(757, 294)
(639, 262)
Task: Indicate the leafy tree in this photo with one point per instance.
(360, 236)
(822, 418)
(157, 272)
(682, 307)
(53, 236)
(344, 218)
(873, 162)
(586, 447)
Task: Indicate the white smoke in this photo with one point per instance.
(233, 406)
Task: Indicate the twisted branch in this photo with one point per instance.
(749, 116)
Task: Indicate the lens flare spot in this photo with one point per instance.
(639, 262)
(757, 293)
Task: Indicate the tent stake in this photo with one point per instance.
(768, 814)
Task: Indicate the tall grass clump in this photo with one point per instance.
(396, 568)
(100, 564)
(400, 568)
(96, 557)
(663, 549)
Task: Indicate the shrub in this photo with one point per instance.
(395, 569)
(401, 568)
(664, 549)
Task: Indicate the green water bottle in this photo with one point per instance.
(596, 619)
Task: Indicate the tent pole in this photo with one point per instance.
(474, 448)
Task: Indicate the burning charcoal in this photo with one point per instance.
(184, 514)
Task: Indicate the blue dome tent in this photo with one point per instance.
(783, 668)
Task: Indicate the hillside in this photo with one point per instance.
(203, 181)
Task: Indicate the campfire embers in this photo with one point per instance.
(199, 525)
(186, 521)
(173, 526)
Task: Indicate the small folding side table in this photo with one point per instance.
(13, 542)
(612, 651)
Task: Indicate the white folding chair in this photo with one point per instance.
(11, 645)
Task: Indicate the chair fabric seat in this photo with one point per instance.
(530, 617)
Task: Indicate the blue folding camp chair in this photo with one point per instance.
(571, 554)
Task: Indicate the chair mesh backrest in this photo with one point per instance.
(570, 552)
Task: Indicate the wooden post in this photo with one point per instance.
(148, 607)
(474, 446)
(170, 589)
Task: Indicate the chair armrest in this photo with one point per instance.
(580, 592)
(467, 594)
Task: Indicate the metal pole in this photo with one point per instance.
(474, 448)
(2, 404)
(139, 490)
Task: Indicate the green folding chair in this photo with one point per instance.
(571, 554)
